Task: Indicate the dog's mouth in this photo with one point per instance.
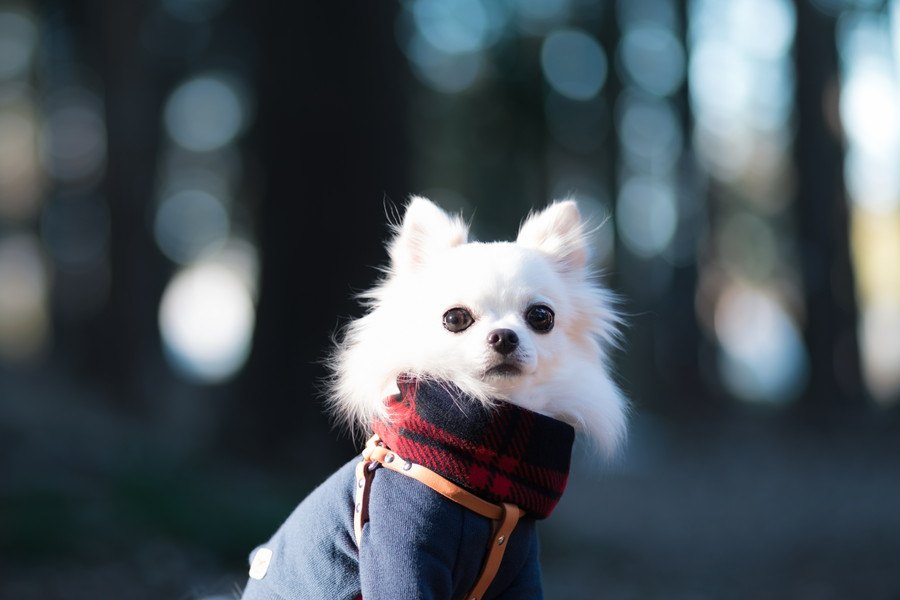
(504, 369)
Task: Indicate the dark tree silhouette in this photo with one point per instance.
(332, 156)
(822, 221)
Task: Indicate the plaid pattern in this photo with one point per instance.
(502, 454)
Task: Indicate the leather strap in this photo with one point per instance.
(505, 516)
(502, 530)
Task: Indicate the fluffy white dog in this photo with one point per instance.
(521, 321)
(473, 367)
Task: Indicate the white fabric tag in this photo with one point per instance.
(260, 564)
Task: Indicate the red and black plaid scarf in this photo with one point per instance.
(501, 454)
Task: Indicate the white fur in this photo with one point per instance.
(433, 268)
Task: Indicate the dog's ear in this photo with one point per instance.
(424, 231)
(558, 231)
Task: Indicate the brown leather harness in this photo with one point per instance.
(505, 516)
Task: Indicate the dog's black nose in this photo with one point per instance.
(503, 341)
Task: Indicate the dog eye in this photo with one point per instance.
(540, 318)
(457, 319)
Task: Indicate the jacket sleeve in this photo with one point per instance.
(411, 544)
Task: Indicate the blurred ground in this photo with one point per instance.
(744, 508)
(94, 505)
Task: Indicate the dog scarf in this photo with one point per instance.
(501, 453)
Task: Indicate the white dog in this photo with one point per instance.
(474, 365)
(442, 298)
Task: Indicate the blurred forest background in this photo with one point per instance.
(191, 191)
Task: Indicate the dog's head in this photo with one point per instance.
(520, 321)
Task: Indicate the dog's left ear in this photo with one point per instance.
(558, 231)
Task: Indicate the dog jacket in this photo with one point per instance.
(416, 543)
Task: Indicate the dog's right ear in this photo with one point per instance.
(424, 231)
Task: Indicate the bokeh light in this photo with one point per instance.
(869, 108)
(764, 29)
(206, 318)
(646, 216)
(454, 26)
(24, 315)
(207, 312)
(20, 172)
(206, 112)
(762, 354)
(18, 41)
(445, 72)
(189, 224)
(650, 133)
(872, 180)
(740, 81)
(574, 64)
(748, 244)
(447, 42)
(871, 121)
(73, 139)
(720, 78)
(652, 59)
(219, 172)
(880, 343)
(724, 148)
